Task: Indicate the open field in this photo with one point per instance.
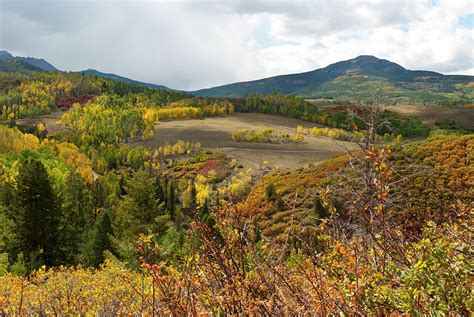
(49, 120)
(215, 134)
(464, 117)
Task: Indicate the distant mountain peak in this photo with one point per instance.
(367, 58)
(6, 55)
(338, 79)
(38, 63)
(365, 64)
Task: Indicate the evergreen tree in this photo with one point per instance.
(159, 192)
(258, 235)
(318, 208)
(76, 216)
(208, 219)
(122, 185)
(37, 215)
(139, 208)
(98, 240)
(136, 213)
(8, 236)
(270, 192)
(99, 195)
(171, 199)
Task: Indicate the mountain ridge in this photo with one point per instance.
(337, 81)
(121, 78)
(319, 82)
(10, 63)
(39, 63)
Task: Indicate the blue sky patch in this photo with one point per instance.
(467, 21)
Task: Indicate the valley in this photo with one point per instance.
(215, 134)
(266, 203)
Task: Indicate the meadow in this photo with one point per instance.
(216, 134)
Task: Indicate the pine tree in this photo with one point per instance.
(37, 216)
(318, 208)
(137, 211)
(99, 195)
(98, 240)
(208, 219)
(159, 192)
(122, 185)
(76, 216)
(171, 199)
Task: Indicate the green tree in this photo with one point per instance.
(98, 240)
(171, 199)
(99, 195)
(76, 216)
(37, 215)
(159, 192)
(270, 192)
(136, 213)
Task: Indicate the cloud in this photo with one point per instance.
(196, 44)
(159, 42)
(417, 35)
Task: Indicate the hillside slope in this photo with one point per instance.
(122, 79)
(10, 63)
(357, 76)
(26, 65)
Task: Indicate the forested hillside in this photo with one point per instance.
(356, 78)
(94, 222)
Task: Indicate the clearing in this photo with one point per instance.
(216, 134)
(463, 116)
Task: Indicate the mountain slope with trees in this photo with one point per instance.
(358, 77)
(10, 63)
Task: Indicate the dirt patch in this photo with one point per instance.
(49, 120)
(216, 134)
(213, 164)
(462, 116)
(69, 102)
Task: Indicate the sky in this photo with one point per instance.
(197, 44)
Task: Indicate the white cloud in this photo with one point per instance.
(190, 45)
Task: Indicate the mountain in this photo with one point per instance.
(10, 63)
(40, 63)
(24, 64)
(357, 76)
(122, 79)
(19, 66)
(6, 55)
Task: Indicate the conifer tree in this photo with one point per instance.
(98, 240)
(37, 215)
(159, 192)
(137, 211)
(171, 199)
(76, 216)
(99, 196)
